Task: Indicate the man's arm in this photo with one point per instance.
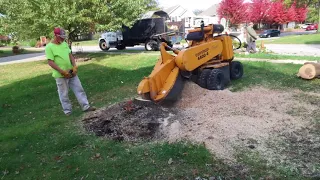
(72, 59)
(252, 33)
(54, 66)
(73, 62)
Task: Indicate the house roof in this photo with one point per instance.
(150, 14)
(211, 11)
(171, 9)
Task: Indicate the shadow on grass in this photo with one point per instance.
(313, 42)
(96, 56)
(103, 55)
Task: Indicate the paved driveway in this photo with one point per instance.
(22, 58)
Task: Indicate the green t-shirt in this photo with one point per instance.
(60, 55)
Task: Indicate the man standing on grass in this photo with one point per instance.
(65, 70)
(251, 37)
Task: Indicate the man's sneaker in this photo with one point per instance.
(90, 109)
(68, 114)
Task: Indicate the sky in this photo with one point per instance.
(189, 4)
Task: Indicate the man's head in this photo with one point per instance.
(251, 24)
(59, 35)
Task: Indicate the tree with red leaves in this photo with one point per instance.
(291, 13)
(301, 14)
(259, 10)
(233, 10)
(277, 13)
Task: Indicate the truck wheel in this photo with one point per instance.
(215, 80)
(236, 70)
(202, 78)
(151, 45)
(121, 47)
(103, 45)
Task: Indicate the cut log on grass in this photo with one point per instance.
(309, 70)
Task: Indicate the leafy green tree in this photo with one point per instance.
(29, 19)
(313, 15)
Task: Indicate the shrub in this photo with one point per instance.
(32, 43)
(4, 42)
(96, 36)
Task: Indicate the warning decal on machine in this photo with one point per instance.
(202, 53)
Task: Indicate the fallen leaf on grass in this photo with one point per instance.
(170, 161)
(195, 172)
(57, 158)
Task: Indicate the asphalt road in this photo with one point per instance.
(22, 58)
(296, 33)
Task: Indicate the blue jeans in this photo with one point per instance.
(74, 83)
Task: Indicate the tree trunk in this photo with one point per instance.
(309, 70)
(70, 44)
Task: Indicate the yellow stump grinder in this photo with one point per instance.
(207, 61)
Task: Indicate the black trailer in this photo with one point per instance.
(150, 32)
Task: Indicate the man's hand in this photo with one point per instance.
(74, 70)
(66, 74)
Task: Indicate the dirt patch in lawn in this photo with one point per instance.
(130, 121)
(273, 123)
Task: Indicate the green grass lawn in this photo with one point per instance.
(294, 39)
(38, 142)
(8, 52)
(277, 56)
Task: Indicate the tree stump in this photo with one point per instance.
(309, 70)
